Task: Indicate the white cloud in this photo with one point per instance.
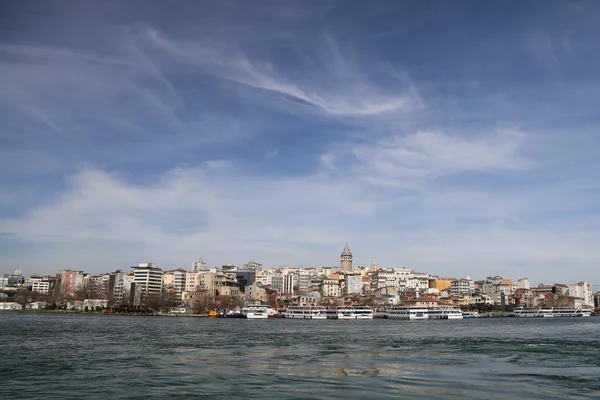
(226, 215)
(413, 159)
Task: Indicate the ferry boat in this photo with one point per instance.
(256, 312)
(305, 312)
(349, 312)
(406, 312)
(470, 314)
(551, 312)
(420, 313)
(444, 312)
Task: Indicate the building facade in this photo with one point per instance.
(149, 277)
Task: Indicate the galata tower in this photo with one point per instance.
(347, 259)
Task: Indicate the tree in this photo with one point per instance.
(86, 309)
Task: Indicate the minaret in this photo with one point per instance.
(373, 266)
(347, 259)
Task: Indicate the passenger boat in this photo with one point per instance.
(406, 312)
(350, 312)
(305, 312)
(444, 312)
(552, 312)
(470, 314)
(421, 313)
(256, 312)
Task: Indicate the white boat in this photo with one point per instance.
(305, 312)
(420, 313)
(350, 312)
(471, 314)
(406, 312)
(552, 312)
(444, 312)
(255, 312)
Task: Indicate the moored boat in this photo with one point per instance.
(552, 312)
(350, 312)
(305, 312)
(421, 313)
(255, 312)
(405, 312)
(444, 312)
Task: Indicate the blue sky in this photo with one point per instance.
(457, 138)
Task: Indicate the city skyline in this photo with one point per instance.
(440, 139)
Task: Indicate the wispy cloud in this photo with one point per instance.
(340, 86)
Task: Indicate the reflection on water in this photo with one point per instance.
(95, 357)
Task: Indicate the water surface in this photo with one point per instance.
(74, 356)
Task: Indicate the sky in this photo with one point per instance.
(455, 138)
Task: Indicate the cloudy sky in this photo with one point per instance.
(456, 138)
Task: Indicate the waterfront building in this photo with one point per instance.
(422, 302)
(192, 280)
(264, 279)
(114, 290)
(175, 282)
(346, 259)
(416, 280)
(462, 286)
(215, 284)
(388, 295)
(382, 279)
(582, 290)
(38, 284)
(330, 288)
(303, 280)
(435, 282)
(256, 293)
(354, 284)
(283, 283)
(149, 277)
(14, 279)
(245, 278)
(309, 299)
(132, 291)
(70, 281)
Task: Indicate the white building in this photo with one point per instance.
(149, 277)
(522, 283)
(462, 286)
(584, 291)
(132, 292)
(303, 279)
(175, 280)
(263, 279)
(283, 283)
(40, 286)
(354, 284)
